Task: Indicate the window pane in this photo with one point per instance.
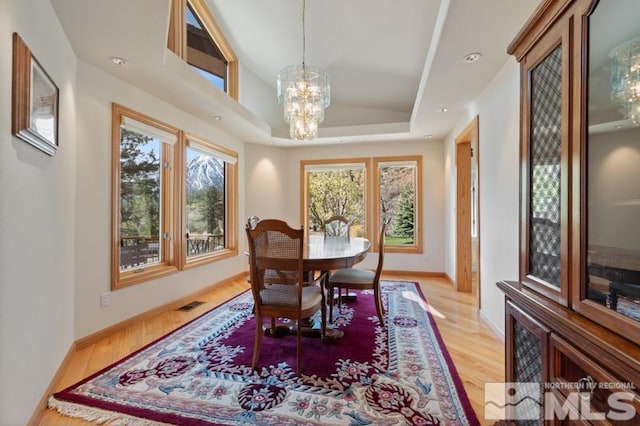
(192, 20)
(397, 203)
(140, 194)
(205, 204)
(213, 79)
(203, 53)
(337, 192)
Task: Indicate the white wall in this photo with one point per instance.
(96, 92)
(266, 172)
(259, 97)
(37, 215)
(614, 189)
(499, 112)
(286, 203)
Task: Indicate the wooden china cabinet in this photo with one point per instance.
(573, 318)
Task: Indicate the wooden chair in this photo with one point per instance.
(271, 276)
(360, 279)
(252, 221)
(273, 245)
(337, 226)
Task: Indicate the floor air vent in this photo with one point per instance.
(189, 306)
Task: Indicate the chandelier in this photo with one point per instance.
(304, 92)
(625, 78)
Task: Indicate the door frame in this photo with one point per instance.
(471, 135)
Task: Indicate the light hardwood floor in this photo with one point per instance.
(477, 353)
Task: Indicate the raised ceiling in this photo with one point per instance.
(393, 64)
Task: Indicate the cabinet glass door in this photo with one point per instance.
(545, 172)
(612, 244)
(544, 167)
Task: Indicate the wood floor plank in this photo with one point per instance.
(476, 352)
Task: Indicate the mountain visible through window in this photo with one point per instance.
(205, 207)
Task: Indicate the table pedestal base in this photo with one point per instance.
(308, 329)
(349, 297)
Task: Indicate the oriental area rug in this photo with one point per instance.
(201, 373)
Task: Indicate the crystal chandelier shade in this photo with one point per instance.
(625, 78)
(304, 92)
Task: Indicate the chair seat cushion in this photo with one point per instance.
(287, 296)
(352, 276)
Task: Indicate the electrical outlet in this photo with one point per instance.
(105, 299)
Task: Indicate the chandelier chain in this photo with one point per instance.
(304, 92)
(304, 32)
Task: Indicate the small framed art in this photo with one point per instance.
(34, 100)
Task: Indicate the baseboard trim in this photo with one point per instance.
(492, 326)
(416, 273)
(101, 334)
(36, 418)
(83, 342)
(448, 278)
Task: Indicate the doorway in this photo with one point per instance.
(467, 210)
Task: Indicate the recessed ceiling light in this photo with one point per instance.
(271, 142)
(119, 61)
(472, 57)
(444, 109)
(428, 136)
(618, 126)
(218, 117)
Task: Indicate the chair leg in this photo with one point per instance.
(257, 342)
(378, 300)
(323, 324)
(332, 301)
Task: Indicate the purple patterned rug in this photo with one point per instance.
(200, 374)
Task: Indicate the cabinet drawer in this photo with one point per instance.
(589, 391)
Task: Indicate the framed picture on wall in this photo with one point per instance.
(34, 100)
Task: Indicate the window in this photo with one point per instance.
(210, 202)
(335, 187)
(143, 195)
(149, 183)
(397, 198)
(195, 36)
(339, 187)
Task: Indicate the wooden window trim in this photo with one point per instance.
(231, 207)
(177, 39)
(173, 205)
(304, 189)
(121, 279)
(417, 246)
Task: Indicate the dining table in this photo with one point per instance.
(327, 253)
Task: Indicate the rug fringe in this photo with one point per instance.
(97, 415)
